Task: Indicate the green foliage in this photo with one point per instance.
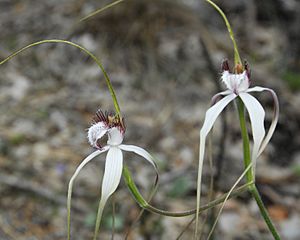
(292, 79)
(17, 139)
(179, 187)
(119, 222)
(296, 169)
(90, 219)
(42, 113)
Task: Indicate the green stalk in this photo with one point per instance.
(237, 59)
(144, 204)
(250, 176)
(132, 188)
(245, 137)
(109, 85)
(264, 212)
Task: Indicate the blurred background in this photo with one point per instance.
(163, 58)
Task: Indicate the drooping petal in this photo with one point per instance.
(142, 152)
(115, 136)
(257, 118)
(213, 112)
(256, 89)
(275, 116)
(111, 180)
(217, 96)
(210, 118)
(70, 188)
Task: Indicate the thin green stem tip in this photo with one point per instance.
(237, 59)
(108, 82)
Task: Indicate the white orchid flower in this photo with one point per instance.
(238, 86)
(113, 127)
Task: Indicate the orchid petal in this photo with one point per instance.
(226, 79)
(257, 118)
(275, 115)
(213, 112)
(210, 118)
(142, 152)
(82, 164)
(96, 132)
(256, 89)
(244, 82)
(236, 82)
(111, 180)
(112, 172)
(215, 98)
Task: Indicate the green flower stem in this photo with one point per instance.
(133, 189)
(144, 204)
(237, 58)
(250, 176)
(109, 85)
(264, 212)
(245, 137)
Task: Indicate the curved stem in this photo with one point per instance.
(109, 85)
(250, 174)
(237, 59)
(92, 14)
(144, 204)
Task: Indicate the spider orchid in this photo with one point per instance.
(112, 126)
(238, 87)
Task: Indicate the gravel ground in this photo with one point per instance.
(163, 58)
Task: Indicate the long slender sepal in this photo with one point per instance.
(257, 118)
(140, 151)
(143, 153)
(225, 200)
(70, 188)
(210, 118)
(274, 119)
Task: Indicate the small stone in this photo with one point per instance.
(290, 228)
